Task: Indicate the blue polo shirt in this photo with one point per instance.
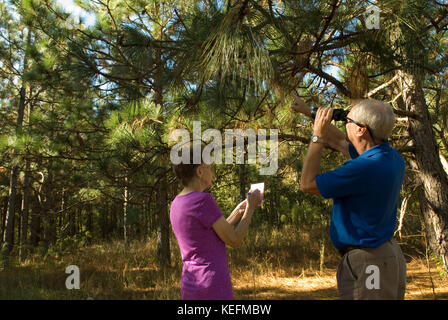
(365, 194)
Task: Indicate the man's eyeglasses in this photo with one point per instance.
(347, 120)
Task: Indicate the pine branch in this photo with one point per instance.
(339, 85)
(334, 7)
(381, 87)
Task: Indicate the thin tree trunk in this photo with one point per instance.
(145, 220)
(49, 209)
(26, 197)
(62, 217)
(4, 214)
(243, 179)
(163, 222)
(152, 213)
(322, 254)
(89, 222)
(103, 220)
(125, 212)
(163, 225)
(116, 218)
(9, 229)
(35, 225)
(18, 217)
(79, 220)
(9, 223)
(25, 210)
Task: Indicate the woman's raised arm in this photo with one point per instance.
(226, 232)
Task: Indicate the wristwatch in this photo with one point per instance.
(317, 139)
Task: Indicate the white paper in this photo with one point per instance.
(259, 186)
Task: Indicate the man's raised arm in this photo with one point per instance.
(335, 138)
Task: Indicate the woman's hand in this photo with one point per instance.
(253, 199)
(237, 213)
(223, 227)
(241, 207)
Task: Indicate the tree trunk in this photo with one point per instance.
(9, 228)
(49, 209)
(35, 225)
(322, 254)
(62, 217)
(433, 193)
(72, 221)
(4, 214)
(9, 223)
(145, 220)
(163, 222)
(125, 212)
(79, 220)
(19, 213)
(26, 197)
(89, 223)
(116, 214)
(103, 220)
(243, 179)
(25, 210)
(152, 213)
(163, 226)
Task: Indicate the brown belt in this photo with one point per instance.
(345, 249)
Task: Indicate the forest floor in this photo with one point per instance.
(316, 285)
(274, 264)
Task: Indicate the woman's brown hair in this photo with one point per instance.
(186, 171)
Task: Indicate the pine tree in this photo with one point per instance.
(15, 43)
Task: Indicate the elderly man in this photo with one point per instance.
(365, 193)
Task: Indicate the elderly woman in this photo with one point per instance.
(203, 233)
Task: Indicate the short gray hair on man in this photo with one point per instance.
(377, 115)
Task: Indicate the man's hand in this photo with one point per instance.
(322, 122)
(300, 106)
(311, 164)
(334, 138)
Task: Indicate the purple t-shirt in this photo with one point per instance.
(205, 273)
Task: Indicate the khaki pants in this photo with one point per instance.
(373, 273)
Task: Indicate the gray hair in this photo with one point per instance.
(377, 115)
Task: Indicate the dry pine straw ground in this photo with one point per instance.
(106, 273)
(322, 286)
